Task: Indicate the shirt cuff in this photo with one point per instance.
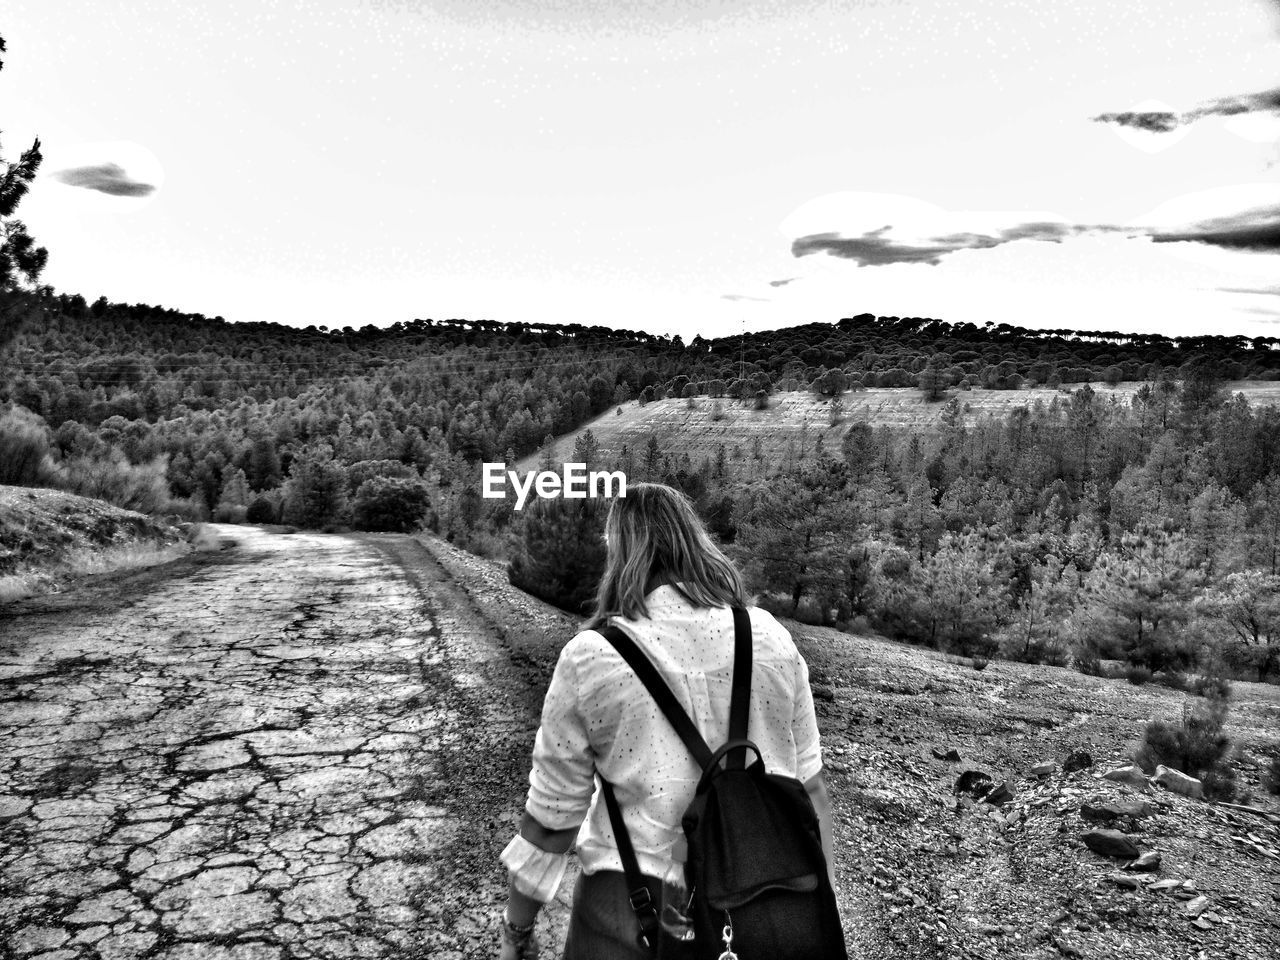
(535, 872)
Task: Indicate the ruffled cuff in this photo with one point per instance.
(535, 872)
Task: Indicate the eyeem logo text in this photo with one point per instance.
(574, 483)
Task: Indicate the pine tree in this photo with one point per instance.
(559, 551)
(1135, 599)
(233, 503)
(21, 261)
(315, 495)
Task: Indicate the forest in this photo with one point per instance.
(1075, 530)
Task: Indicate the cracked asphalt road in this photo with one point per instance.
(260, 753)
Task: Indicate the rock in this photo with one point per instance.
(1197, 906)
(1077, 760)
(822, 692)
(1150, 860)
(951, 755)
(1202, 923)
(1131, 775)
(973, 782)
(1000, 794)
(1044, 769)
(1178, 782)
(1107, 811)
(1100, 813)
(1111, 843)
(1168, 883)
(1121, 880)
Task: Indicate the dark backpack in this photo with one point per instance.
(755, 860)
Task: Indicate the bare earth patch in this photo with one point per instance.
(802, 417)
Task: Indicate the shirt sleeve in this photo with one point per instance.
(804, 725)
(562, 779)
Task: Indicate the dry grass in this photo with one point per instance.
(203, 538)
(84, 562)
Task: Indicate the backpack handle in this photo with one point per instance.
(713, 765)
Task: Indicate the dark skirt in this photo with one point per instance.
(602, 925)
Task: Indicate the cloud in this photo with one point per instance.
(742, 296)
(874, 248)
(1256, 230)
(108, 178)
(783, 282)
(1254, 291)
(1270, 315)
(1245, 217)
(1152, 121)
(1163, 121)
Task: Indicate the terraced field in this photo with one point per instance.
(802, 416)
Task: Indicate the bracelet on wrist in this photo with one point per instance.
(516, 932)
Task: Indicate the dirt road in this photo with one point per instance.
(267, 752)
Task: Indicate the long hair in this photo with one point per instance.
(653, 534)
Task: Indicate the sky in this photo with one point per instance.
(678, 166)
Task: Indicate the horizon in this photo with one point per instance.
(686, 169)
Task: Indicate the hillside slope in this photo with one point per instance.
(796, 415)
(48, 538)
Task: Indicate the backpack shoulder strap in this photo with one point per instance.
(740, 701)
(661, 693)
(638, 894)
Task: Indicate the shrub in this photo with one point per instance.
(25, 448)
(1219, 783)
(108, 475)
(1050, 651)
(315, 495)
(1088, 663)
(391, 504)
(202, 538)
(559, 552)
(362, 470)
(1137, 675)
(980, 663)
(1271, 779)
(230, 513)
(1211, 687)
(1173, 679)
(261, 510)
(1195, 745)
(191, 509)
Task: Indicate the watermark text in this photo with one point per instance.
(574, 482)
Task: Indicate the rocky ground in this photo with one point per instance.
(925, 871)
(944, 874)
(316, 746)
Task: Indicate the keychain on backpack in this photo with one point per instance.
(727, 937)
